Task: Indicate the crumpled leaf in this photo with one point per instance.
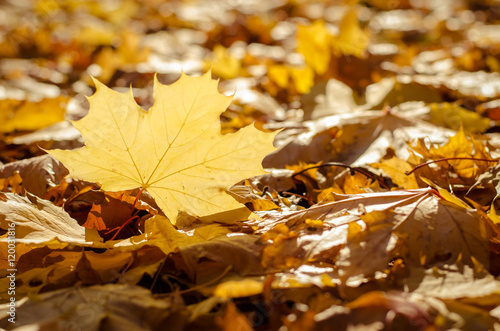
(458, 145)
(388, 218)
(175, 150)
(13, 183)
(112, 306)
(38, 173)
(490, 181)
(40, 222)
(206, 260)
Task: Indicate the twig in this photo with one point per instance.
(447, 159)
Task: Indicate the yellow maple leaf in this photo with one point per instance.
(453, 116)
(175, 150)
(313, 42)
(29, 116)
(396, 168)
(460, 145)
(302, 78)
(224, 64)
(351, 40)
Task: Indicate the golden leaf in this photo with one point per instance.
(453, 116)
(313, 42)
(224, 64)
(175, 150)
(396, 168)
(239, 288)
(351, 39)
(29, 116)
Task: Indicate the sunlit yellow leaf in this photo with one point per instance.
(313, 42)
(351, 40)
(237, 289)
(493, 215)
(447, 195)
(25, 115)
(395, 168)
(224, 64)
(174, 150)
(303, 79)
(279, 74)
(453, 116)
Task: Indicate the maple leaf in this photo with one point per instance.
(29, 116)
(460, 145)
(313, 42)
(456, 117)
(175, 150)
(295, 79)
(351, 39)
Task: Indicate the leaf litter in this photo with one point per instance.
(376, 209)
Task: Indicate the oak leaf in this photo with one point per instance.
(175, 150)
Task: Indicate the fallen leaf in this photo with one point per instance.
(40, 222)
(453, 116)
(451, 283)
(418, 212)
(351, 40)
(224, 64)
(239, 288)
(165, 236)
(313, 42)
(367, 248)
(395, 168)
(206, 260)
(233, 319)
(23, 115)
(183, 162)
(60, 135)
(38, 173)
(111, 306)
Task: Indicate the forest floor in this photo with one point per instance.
(376, 209)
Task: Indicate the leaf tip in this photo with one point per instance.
(96, 82)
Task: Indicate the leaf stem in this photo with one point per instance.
(133, 216)
(137, 197)
(447, 159)
(120, 228)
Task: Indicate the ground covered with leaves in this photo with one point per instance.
(376, 208)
